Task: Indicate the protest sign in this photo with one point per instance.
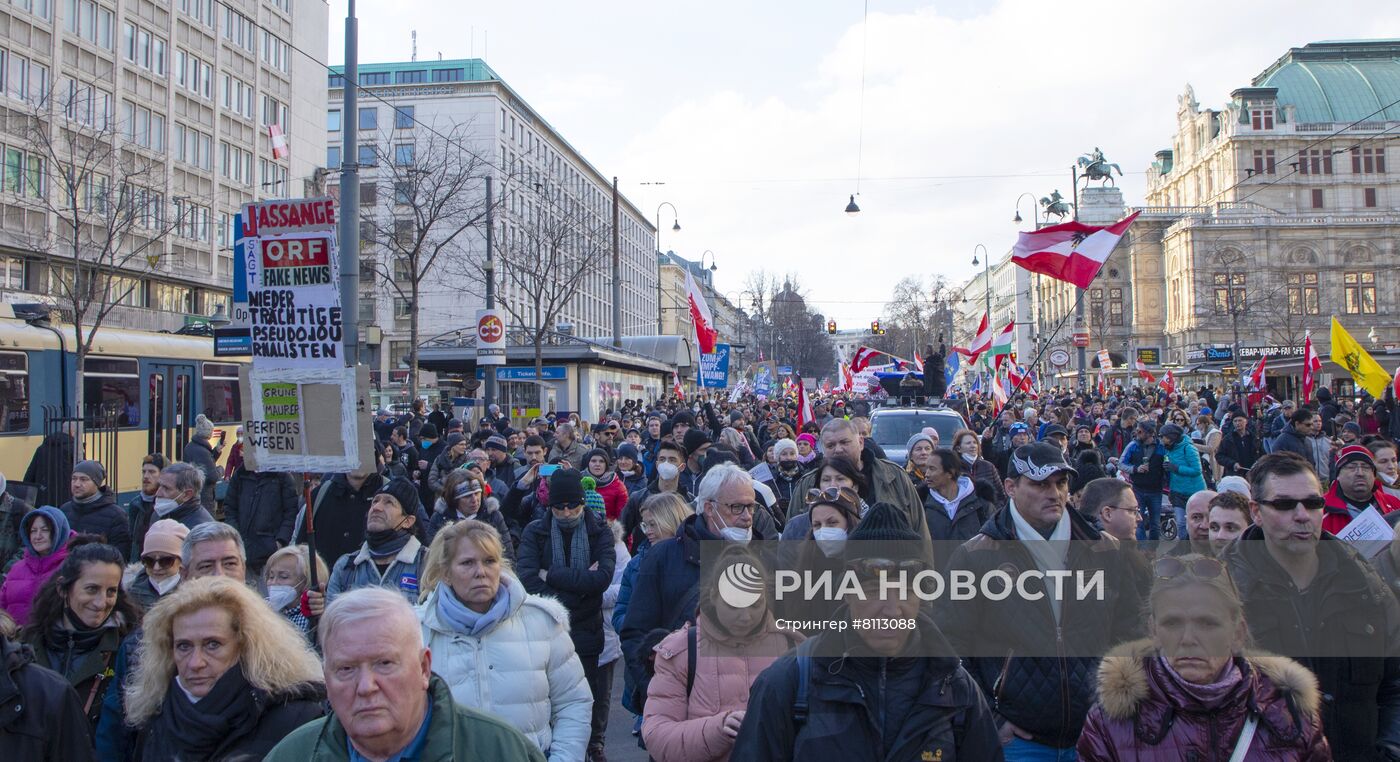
(1368, 532)
(293, 278)
(714, 368)
(307, 420)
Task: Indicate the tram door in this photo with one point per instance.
(171, 408)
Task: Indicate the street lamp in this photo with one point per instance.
(1034, 213)
(713, 266)
(675, 228)
(851, 208)
(987, 272)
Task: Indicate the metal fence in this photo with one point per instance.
(60, 451)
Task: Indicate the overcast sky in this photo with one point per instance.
(750, 112)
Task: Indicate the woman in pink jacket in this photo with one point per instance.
(45, 534)
(698, 722)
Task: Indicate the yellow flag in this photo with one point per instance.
(1367, 373)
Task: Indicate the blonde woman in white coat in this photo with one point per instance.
(501, 649)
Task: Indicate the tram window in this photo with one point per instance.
(111, 385)
(219, 390)
(14, 391)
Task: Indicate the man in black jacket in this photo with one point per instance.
(1311, 597)
(263, 506)
(339, 510)
(1239, 448)
(39, 712)
(94, 509)
(1036, 659)
(1294, 437)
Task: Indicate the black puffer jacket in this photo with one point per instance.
(200, 454)
(867, 708)
(263, 506)
(40, 713)
(1048, 691)
(103, 517)
(581, 592)
(339, 515)
(970, 511)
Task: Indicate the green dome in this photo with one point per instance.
(1339, 81)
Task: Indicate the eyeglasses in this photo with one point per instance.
(739, 509)
(565, 508)
(1171, 567)
(1313, 503)
(159, 562)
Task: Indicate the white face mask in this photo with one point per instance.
(1387, 479)
(831, 540)
(165, 506)
(741, 535)
(281, 596)
(164, 586)
(969, 457)
(667, 471)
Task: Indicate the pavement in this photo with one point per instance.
(621, 745)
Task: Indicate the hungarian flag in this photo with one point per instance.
(862, 357)
(1311, 365)
(1144, 372)
(279, 142)
(1169, 383)
(980, 343)
(1072, 252)
(676, 386)
(1002, 345)
(804, 407)
(705, 333)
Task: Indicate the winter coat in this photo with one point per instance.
(1238, 453)
(441, 467)
(969, 511)
(356, 570)
(637, 480)
(191, 514)
(1335, 515)
(339, 512)
(140, 515)
(51, 469)
(612, 644)
(581, 592)
(89, 672)
(1151, 481)
(101, 517)
(1144, 715)
(681, 727)
(12, 510)
(25, 578)
(41, 716)
(982, 470)
(273, 716)
(200, 454)
(1046, 696)
(573, 453)
(614, 494)
(1289, 441)
(867, 708)
(522, 669)
(489, 512)
(263, 507)
(1361, 692)
(455, 732)
(142, 592)
(1188, 478)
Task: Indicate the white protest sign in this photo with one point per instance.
(1368, 532)
(293, 268)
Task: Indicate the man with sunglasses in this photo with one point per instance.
(1355, 489)
(1035, 655)
(1312, 597)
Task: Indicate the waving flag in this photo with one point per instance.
(804, 406)
(1169, 383)
(918, 362)
(1144, 372)
(279, 141)
(998, 395)
(1072, 252)
(1364, 369)
(950, 369)
(1311, 365)
(1021, 381)
(976, 387)
(705, 333)
(676, 386)
(862, 357)
(980, 343)
(1002, 345)
(848, 379)
(1254, 382)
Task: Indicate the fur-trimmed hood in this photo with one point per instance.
(1124, 683)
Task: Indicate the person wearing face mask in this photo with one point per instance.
(470, 499)
(968, 446)
(79, 618)
(600, 466)
(160, 563)
(1387, 470)
(629, 469)
(286, 577)
(670, 458)
(178, 495)
(94, 509)
(698, 697)
(569, 555)
(46, 537)
(954, 510)
(391, 556)
(786, 472)
(141, 511)
(834, 512)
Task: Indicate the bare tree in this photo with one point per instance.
(430, 192)
(916, 315)
(543, 251)
(104, 199)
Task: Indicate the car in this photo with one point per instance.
(891, 427)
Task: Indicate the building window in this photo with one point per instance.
(1316, 161)
(1302, 294)
(369, 118)
(403, 154)
(1317, 198)
(369, 194)
(374, 78)
(333, 157)
(403, 192)
(1368, 161)
(403, 118)
(367, 157)
(403, 309)
(335, 80)
(1224, 293)
(449, 75)
(412, 77)
(113, 385)
(1261, 118)
(1264, 161)
(1368, 196)
(1115, 306)
(1360, 293)
(14, 391)
(222, 401)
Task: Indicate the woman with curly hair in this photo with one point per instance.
(222, 676)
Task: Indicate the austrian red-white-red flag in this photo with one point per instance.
(705, 333)
(862, 357)
(676, 385)
(279, 142)
(1072, 252)
(918, 362)
(1169, 383)
(804, 406)
(1144, 372)
(1312, 364)
(848, 379)
(980, 343)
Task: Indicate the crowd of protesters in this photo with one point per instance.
(477, 595)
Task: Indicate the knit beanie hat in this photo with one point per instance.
(883, 532)
(428, 431)
(165, 536)
(597, 452)
(591, 499)
(1353, 453)
(565, 487)
(695, 439)
(92, 470)
(403, 491)
(784, 445)
(629, 450)
(203, 427)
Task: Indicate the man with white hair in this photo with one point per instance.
(386, 703)
(666, 589)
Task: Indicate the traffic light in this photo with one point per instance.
(875, 328)
(831, 327)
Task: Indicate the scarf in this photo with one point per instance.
(578, 546)
(1210, 695)
(1048, 553)
(462, 619)
(196, 729)
(808, 458)
(387, 542)
(69, 638)
(89, 500)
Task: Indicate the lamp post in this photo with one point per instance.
(1035, 214)
(675, 228)
(489, 266)
(986, 282)
(711, 254)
